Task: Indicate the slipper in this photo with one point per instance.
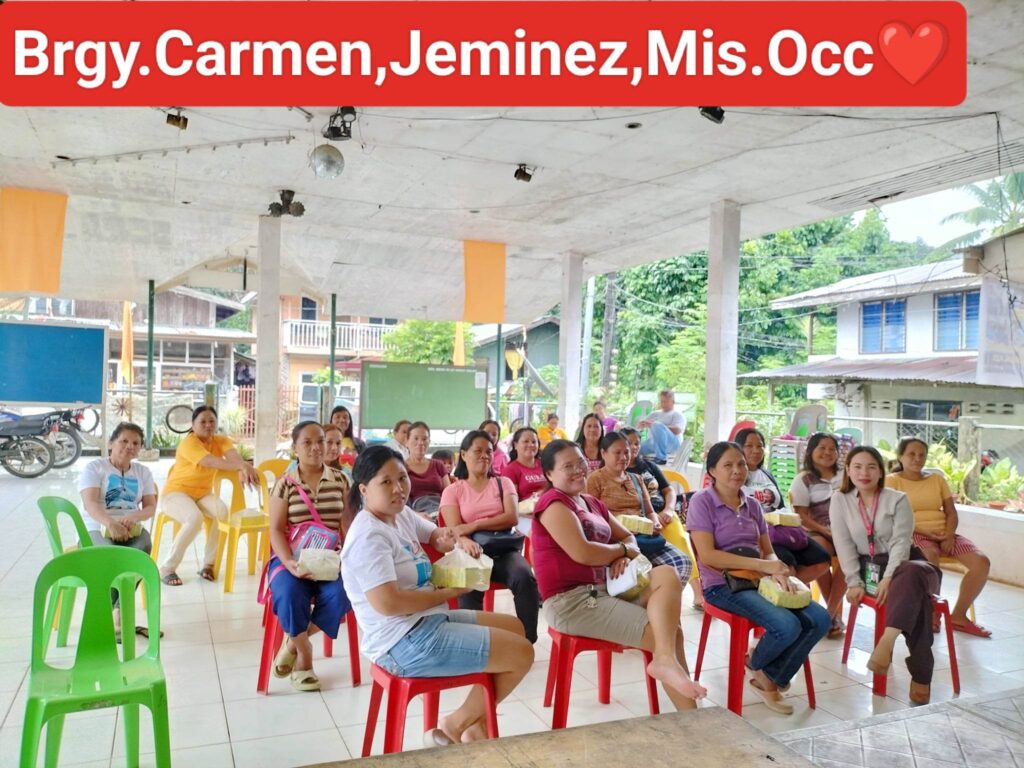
(436, 738)
(970, 628)
(171, 579)
(305, 680)
(838, 629)
(207, 573)
(144, 631)
(285, 659)
(772, 699)
(782, 688)
(919, 694)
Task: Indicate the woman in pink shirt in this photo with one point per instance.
(500, 459)
(523, 467)
(479, 501)
(575, 543)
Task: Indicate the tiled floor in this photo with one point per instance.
(212, 645)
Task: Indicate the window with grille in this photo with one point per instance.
(956, 320)
(883, 326)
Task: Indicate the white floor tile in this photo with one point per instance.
(277, 716)
(291, 750)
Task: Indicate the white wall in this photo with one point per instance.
(920, 338)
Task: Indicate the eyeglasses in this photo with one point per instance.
(576, 466)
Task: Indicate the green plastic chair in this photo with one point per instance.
(98, 678)
(62, 603)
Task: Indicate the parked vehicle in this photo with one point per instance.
(66, 440)
(23, 452)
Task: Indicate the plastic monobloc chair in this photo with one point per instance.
(61, 604)
(98, 678)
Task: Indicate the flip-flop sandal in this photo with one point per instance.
(772, 699)
(305, 680)
(171, 579)
(782, 688)
(207, 573)
(436, 738)
(970, 628)
(285, 659)
(144, 631)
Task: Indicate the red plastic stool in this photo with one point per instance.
(273, 635)
(401, 690)
(879, 684)
(739, 632)
(564, 650)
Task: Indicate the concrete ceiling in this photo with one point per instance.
(387, 234)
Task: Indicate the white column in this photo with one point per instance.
(268, 335)
(723, 319)
(569, 342)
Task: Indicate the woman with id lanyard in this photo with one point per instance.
(872, 527)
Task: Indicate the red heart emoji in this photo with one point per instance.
(913, 54)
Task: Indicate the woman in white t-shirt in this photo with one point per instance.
(407, 629)
(118, 494)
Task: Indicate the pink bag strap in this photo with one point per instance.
(305, 497)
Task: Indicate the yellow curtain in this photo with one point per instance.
(459, 358)
(484, 272)
(127, 345)
(31, 240)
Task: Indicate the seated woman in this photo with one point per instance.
(550, 430)
(729, 532)
(935, 523)
(406, 627)
(872, 527)
(303, 606)
(188, 492)
(610, 423)
(523, 468)
(806, 558)
(500, 460)
(623, 493)
(427, 477)
(333, 437)
(350, 444)
(479, 502)
(117, 495)
(811, 493)
(589, 440)
(400, 437)
(576, 543)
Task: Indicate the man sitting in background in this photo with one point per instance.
(666, 428)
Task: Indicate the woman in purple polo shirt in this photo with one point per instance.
(729, 532)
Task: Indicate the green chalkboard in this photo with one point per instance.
(444, 396)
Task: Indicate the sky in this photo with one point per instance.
(920, 217)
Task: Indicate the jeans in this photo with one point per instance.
(660, 441)
(440, 645)
(789, 636)
(142, 541)
(514, 572)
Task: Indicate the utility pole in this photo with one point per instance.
(608, 331)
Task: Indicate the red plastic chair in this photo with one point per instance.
(739, 632)
(879, 683)
(401, 690)
(273, 635)
(564, 650)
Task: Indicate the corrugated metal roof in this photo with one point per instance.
(941, 275)
(951, 369)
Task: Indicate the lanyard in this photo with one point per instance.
(869, 525)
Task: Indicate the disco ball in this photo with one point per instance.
(327, 162)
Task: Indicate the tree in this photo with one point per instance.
(1000, 208)
(424, 341)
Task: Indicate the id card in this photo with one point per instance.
(872, 575)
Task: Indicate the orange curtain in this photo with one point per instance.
(484, 271)
(127, 345)
(459, 358)
(31, 240)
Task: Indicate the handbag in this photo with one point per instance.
(787, 536)
(497, 543)
(742, 579)
(312, 534)
(650, 545)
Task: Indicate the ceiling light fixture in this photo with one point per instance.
(339, 125)
(178, 120)
(288, 205)
(715, 114)
(327, 162)
(522, 173)
(165, 151)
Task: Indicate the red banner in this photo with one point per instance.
(483, 53)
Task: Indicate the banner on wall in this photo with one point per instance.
(1001, 341)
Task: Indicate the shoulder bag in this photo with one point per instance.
(497, 543)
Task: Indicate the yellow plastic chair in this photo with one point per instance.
(674, 532)
(239, 522)
(156, 532)
(271, 468)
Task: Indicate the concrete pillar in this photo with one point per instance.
(723, 319)
(268, 334)
(569, 337)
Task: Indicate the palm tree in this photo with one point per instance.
(1000, 208)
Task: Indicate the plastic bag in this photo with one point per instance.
(776, 595)
(782, 517)
(636, 524)
(634, 580)
(457, 569)
(321, 564)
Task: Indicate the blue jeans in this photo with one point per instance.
(789, 636)
(440, 645)
(660, 441)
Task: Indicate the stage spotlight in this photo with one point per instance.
(715, 114)
(522, 174)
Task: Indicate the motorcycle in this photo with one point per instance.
(66, 439)
(23, 452)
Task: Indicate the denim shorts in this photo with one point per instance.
(440, 645)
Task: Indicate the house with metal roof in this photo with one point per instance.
(931, 343)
